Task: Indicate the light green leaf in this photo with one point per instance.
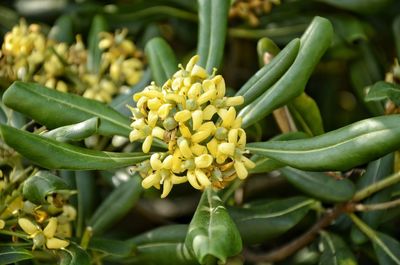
(10, 255)
(383, 90)
(74, 132)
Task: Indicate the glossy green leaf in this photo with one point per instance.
(387, 249)
(335, 251)
(85, 182)
(120, 102)
(11, 255)
(39, 186)
(376, 171)
(63, 30)
(212, 233)
(383, 90)
(51, 154)
(314, 42)
(99, 24)
(259, 223)
(162, 60)
(112, 247)
(340, 149)
(65, 109)
(319, 185)
(116, 205)
(264, 78)
(306, 113)
(213, 21)
(73, 255)
(74, 132)
(168, 233)
(267, 47)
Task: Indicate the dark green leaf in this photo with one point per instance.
(359, 6)
(86, 195)
(335, 251)
(383, 90)
(387, 249)
(11, 255)
(59, 109)
(341, 149)
(213, 21)
(63, 30)
(73, 255)
(396, 33)
(168, 233)
(74, 132)
(112, 247)
(39, 186)
(116, 205)
(161, 59)
(319, 185)
(51, 154)
(99, 25)
(212, 233)
(259, 223)
(349, 28)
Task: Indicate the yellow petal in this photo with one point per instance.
(177, 83)
(233, 136)
(248, 163)
(202, 178)
(209, 112)
(221, 158)
(178, 180)
(234, 101)
(177, 98)
(182, 116)
(203, 161)
(240, 169)
(229, 117)
(152, 119)
(28, 226)
(50, 228)
(184, 148)
(212, 147)
(227, 148)
(208, 126)
(136, 135)
(164, 110)
(242, 138)
(147, 144)
(200, 136)
(167, 187)
(237, 123)
(207, 96)
(55, 243)
(138, 124)
(167, 163)
(2, 224)
(208, 85)
(176, 161)
(193, 180)
(194, 91)
(197, 118)
(155, 161)
(199, 71)
(220, 84)
(154, 104)
(158, 132)
(184, 130)
(198, 149)
(150, 181)
(192, 62)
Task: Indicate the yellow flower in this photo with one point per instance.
(206, 145)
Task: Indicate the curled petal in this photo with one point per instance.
(135, 135)
(151, 180)
(50, 228)
(197, 118)
(56, 243)
(248, 163)
(167, 187)
(203, 161)
(227, 148)
(154, 104)
(182, 116)
(178, 180)
(202, 178)
(199, 71)
(167, 163)
(28, 227)
(147, 144)
(208, 85)
(164, 110)
(200, 136)
(155, 161)
(192, 62)
(158, 132)
(241, 170)
(207, 96)
(220, 84)
(212, 147)
(184, 130)
(198, 149)
(184, 148)
(193, 180)
(179, 99)
(209, 112)
(233, 136)
(234, 101)
(228, 117)
(194, 91)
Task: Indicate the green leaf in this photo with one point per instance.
(314, 42)
(320, 185)
(162, 60)
(387, 249)
(73, 255)
(99, 24)
(383, 90)
(213, 21)
(65, 109)
(51, 154)
(63, 30)
(306, 113)
(74, 132)
(212, 233)
(264, 78)
(168, 233)
(348, 28)
(396, 34)
(10, 255)
(340, 149)
(335, 251)
(39, 186)
(259, 223)
(359, 6)
(112, 247)
(86, 195)
(116, 205)
(268, 46)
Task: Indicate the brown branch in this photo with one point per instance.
(287, 250)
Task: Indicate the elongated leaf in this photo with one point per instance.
(162, 60)
(359, 6)
(319, 185)
(267, 47)
(306, 113)
(264, 78)
(396, 33)
(74, 132)
(341, 149)
(51, 154)
(383, 90)
(314, 42)
(116, 205)
(213, 16)
(62, 30)
(212, 233)
(73, 255)
(38, 187)
(86, 195)
(59, 109)
(259, 223)
(112, 247)
(11, 255)
(387, 249)
(168, 233)
(335, 251)
(99, 25)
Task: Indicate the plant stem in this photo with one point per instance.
(87, 235)
(377, 186)
(377, 206)
(362, 226)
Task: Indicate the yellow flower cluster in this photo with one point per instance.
(28, 55)
(190, 112)
(251, 10)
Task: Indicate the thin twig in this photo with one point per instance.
(377, 206)
(287, 250)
